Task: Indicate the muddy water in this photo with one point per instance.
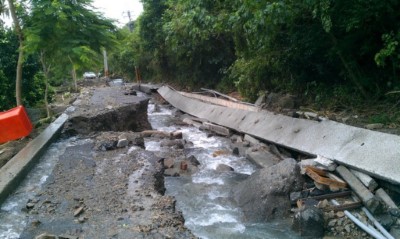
(204, 198)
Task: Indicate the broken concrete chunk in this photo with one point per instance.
(217, 129)
(369, 182)
(261, 157)
(369, 200)
(393, 209)
(304, 163)
(251, 140)
(325, 163)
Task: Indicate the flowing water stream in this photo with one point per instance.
(204, 197)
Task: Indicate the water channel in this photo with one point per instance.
(204, 198)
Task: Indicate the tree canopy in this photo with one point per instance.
(342, 47)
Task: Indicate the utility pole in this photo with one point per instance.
(130, 20)
(105, 64)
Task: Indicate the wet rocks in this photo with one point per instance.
(309, 222)
(224, 168)
(264, 196)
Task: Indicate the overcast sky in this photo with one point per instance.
(118, 9)
(115, 9)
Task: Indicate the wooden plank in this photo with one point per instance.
(316, 176)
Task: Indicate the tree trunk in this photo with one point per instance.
(73, 73)
(18, 80)
(46, 70)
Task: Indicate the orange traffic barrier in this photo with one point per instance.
(14, 124)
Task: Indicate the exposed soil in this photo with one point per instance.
(97, 193)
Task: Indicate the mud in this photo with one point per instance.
(101, 189)
(94, 193)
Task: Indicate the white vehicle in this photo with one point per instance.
(89, 75)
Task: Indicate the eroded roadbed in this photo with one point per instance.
(94, 192)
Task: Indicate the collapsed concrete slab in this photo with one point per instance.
(108, 109)
(374, 153)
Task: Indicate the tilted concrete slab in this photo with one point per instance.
(375, 153)
(16, 169)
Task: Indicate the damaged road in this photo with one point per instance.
(108, 185)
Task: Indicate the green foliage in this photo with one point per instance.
(35, 96)
(8, 61)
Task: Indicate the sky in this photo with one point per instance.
(115, 9)
(118, 9)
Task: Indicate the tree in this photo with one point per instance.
(18, 30)
(67, 33)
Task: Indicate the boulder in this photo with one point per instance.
(309, 222)
(264, 196)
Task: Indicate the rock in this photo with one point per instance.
(81, 219)
(235, 151)
(340, 214)
(294, 196)
(374, 126)
(30, 205)
(35, 223)
(309, 222)
(169, 163)
(332, 223)
(260, 100)
(224, 168)
(323, 204)
(329, 215)
(122, 143)
(45, 236)
(385, 220)
(347, 228)
(176, 143)
(193, 160)
(264, 195)
(177, 135)
(286, 102)
(78, 211)
(261, 157)
(395, 231)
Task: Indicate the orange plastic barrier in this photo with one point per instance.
(14, 124)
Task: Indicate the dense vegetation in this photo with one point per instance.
(322, 49)
(329, 52)
(49, 44)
